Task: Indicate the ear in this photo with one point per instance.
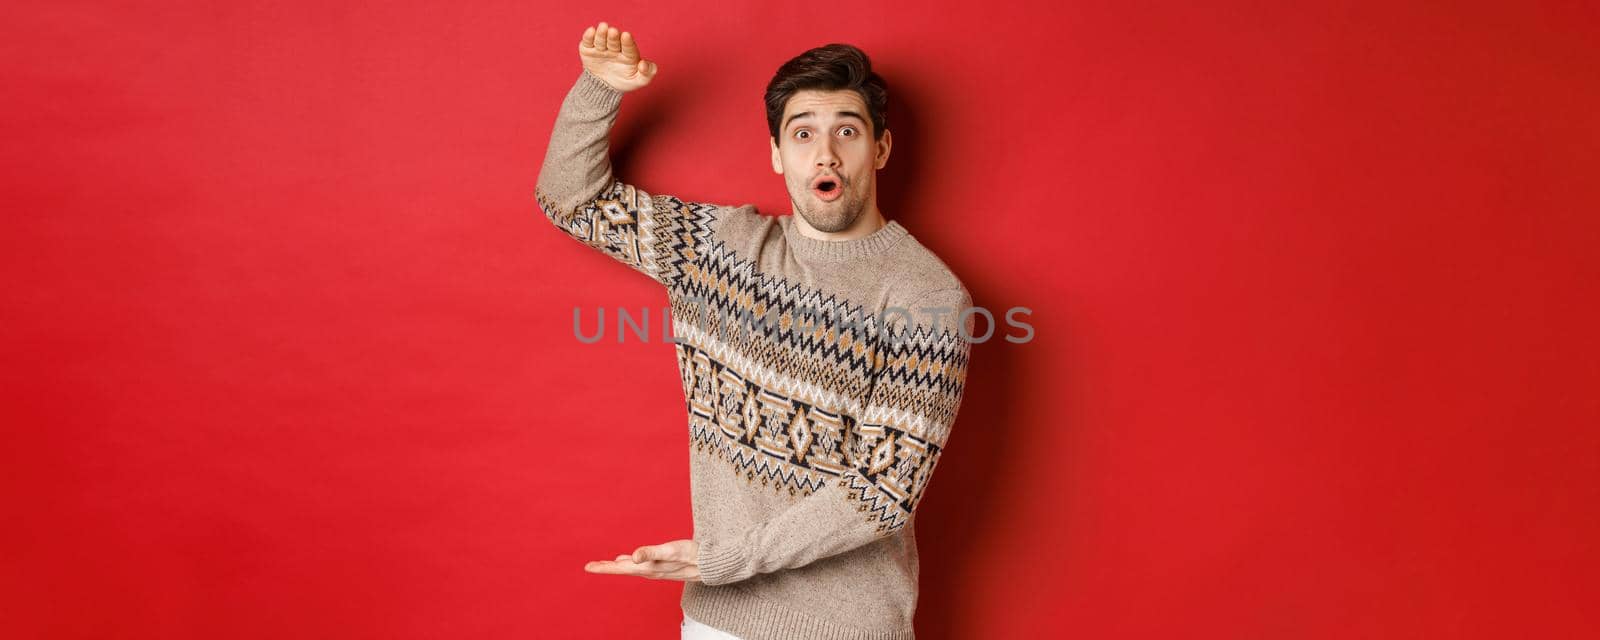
(777, 160)
(882, 147)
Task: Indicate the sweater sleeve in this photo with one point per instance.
(891, 451)
(579, 194)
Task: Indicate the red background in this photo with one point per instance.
(288, 350)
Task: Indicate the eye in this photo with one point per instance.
(848, 128)
(804, 131)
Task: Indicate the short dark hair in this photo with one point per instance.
(830, 67)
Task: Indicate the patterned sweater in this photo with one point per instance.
(816, 408)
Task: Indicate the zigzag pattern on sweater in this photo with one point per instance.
(788, 444)
(819, 348)
(775, 310)
(774, 372)
(779, 401)
(656, 235)
(785, 444)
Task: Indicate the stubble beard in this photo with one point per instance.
(830, 217)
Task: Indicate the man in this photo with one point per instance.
(823, 354)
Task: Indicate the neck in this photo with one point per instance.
(871, 220)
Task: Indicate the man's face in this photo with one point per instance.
(826, 137)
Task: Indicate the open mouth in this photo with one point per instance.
(827, 188)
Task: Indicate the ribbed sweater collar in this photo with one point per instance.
(874, 243)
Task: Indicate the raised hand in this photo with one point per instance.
(614, 58)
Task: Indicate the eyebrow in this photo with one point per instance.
(804, 114)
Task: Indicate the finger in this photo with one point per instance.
(630, 49)
(613, 39)
(643, 554)
(613, 568)
(588, 38)
(647, 68)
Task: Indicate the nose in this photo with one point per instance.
(826, 158)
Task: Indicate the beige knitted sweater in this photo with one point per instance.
(820, 378)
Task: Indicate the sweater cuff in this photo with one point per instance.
(595, 91)
(721, 563)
